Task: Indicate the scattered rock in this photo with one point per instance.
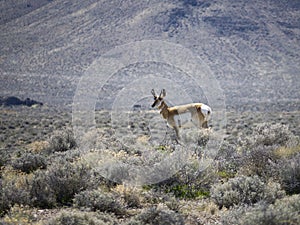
(14, 101)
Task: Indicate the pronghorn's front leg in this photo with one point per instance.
(172, 123)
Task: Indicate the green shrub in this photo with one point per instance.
(76, 217)
(99, 200)
(190, 182)
(282, 212)
(244, 190)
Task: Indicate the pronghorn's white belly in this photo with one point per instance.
(183, 120)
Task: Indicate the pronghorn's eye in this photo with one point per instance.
(159, 98)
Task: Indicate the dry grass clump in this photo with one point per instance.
(286, 152)
(199, 211)
(37, 146)
(19, 214)
(130, 196)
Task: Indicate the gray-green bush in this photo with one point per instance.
(259, 160)
(99, 200)
(61, 141)
(76, 217)
(228, 160)
(14, 189)
(259, 149)
(244, 190)
(157, 216)
(289, 172)
(42, 195)
(189, 182)
(267, 134)
(29, 162)
(283, 212)
(60, 182)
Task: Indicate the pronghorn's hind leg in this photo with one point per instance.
(205, 124)
(177, 133)
(197, 119)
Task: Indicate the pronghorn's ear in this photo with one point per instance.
(162, 93)
(153, 92)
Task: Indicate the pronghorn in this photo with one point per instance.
(200, 112)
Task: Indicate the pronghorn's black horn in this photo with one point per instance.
(162, 93)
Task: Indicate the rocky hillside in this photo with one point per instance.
(251, 47)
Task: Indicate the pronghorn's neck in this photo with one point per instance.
(164, 109)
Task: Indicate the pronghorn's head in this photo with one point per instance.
(158, 98)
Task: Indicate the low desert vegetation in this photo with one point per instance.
(50, 180)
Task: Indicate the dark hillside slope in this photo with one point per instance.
(252, 47)
(13, 9)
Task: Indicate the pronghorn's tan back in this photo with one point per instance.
(186, 108)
